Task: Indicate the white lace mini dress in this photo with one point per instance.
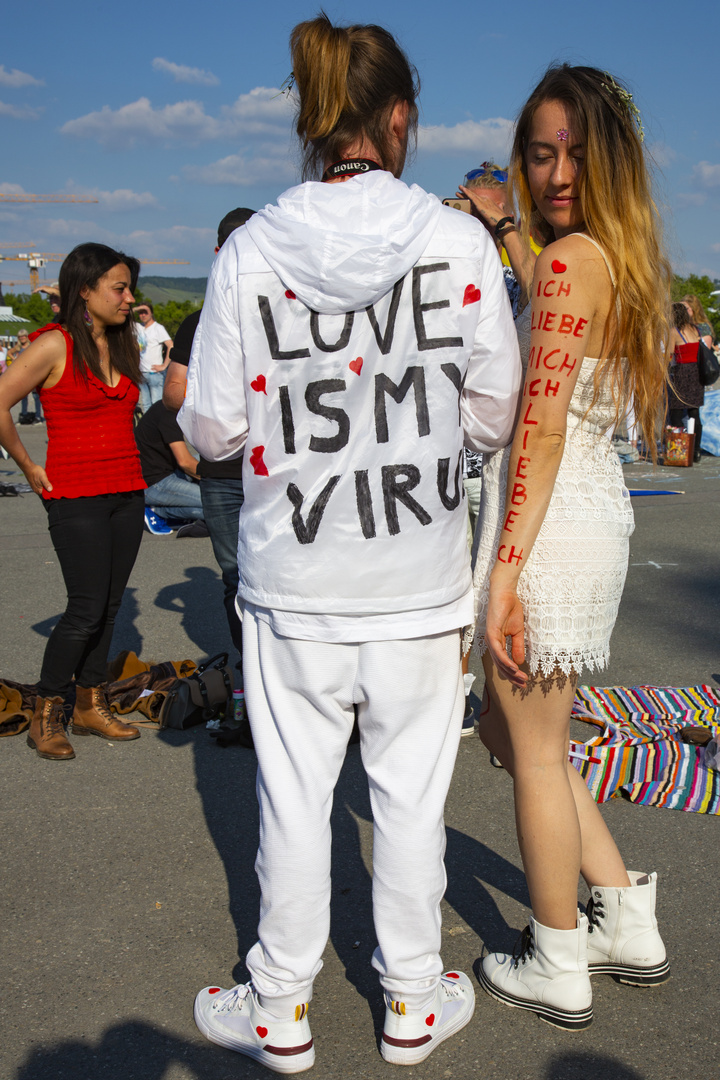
(571, 585)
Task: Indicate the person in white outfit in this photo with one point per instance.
(555, 527)
(353, 336)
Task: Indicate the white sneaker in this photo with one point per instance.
(235, 1019)
(546, 974)
(623, 937)
(411, 1035)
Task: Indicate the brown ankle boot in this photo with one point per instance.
(47, 731)
(92, 716)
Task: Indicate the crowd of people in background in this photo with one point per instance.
(349, 578)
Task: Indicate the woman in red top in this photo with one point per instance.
(686, 394)
(87, 367)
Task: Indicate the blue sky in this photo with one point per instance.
(170, 114)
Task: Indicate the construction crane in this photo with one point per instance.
(37, 260)
(26, 198)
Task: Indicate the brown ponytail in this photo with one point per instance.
(349, 79)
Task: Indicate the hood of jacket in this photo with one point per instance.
(340, 247)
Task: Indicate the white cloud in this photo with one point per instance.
(19, 112)
(690, 198)
(263, 111)
(706, 175)
(183, 74)
(242, 171)
(487, 138)
(17, 78)
(11, 189)
(184, 121)
(116, 201)
(662, 154)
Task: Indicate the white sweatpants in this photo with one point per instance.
(300, 697)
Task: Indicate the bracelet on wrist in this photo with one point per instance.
(502, 224)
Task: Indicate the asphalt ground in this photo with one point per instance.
(128, 873)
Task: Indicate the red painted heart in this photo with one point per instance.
(262, 1031)
(259, 385)
(256, 460)
(430, 1020)
(214, 990)
(356, 365)
(452, 975)
(558, 267)
(290, 294)
(471, 295)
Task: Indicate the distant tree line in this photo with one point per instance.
(702, 287)
(39, 312)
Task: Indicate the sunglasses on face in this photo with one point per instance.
(500, 175)
(143, 312)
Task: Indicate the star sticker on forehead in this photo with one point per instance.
(562, 134)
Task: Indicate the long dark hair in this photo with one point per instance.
(84, 267)
(349, 78)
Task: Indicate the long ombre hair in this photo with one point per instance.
(84, 266)
(349, 78)
(620, 214)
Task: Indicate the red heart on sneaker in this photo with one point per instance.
(256, 460)
(430, 1020)
(262, 1032)
(290, 294)
(471, 296)
(259, 385)
(214, 990)
(558, 267)
(452, 975)
(356, 365)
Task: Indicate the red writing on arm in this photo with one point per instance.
(523, 463)
(551, 388)
(546, 288)
(514, 556)
(511, 514)
(519, 495)
(526, 417)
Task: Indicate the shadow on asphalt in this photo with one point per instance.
(193, 599)
(142, 1052)
(226, 784)
(589, 1067)
(131, 1050)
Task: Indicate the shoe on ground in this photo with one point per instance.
(623, 937)
(468, 724)
(547, 974)
(411, 1035)
(496, 762)
(234, 1019)
(155, 524)
(92, 715)
(47, 730)
(193, 528)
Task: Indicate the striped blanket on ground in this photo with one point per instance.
(640, 754)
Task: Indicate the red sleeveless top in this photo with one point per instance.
(91, 443)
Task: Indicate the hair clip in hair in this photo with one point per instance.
(287, 87)
(562, 134)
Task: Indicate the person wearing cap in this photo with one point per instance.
(153, 339)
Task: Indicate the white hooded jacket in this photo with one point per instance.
(351, 335)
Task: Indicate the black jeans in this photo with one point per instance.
(96, 539)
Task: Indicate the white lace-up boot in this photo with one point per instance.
(623, 938)
(546, 974)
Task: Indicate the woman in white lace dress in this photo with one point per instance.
(553, 547)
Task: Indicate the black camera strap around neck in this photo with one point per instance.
(351, 167)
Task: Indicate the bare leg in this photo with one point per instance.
(560, 828)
